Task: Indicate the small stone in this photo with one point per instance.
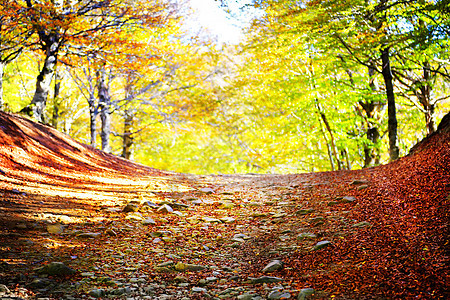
(22, 226)
(279, 215)
(90, 235)
(197, 289)
(211, 220)
(202, 282)
(206, 190)
(359, 181)
(273, 266)
(188, 267)
(348, 199)
(150, 204)
(227, 205)
(211, 279)
(130, 207)
(362, 224)
(265, 279)
(180, 206)
(166, 264)
(307, 235)
(322, 244)
(97, 293)
(180, 279)
(193, 220)
(40, 283)
(259, 215)
(246, 296)
(165, 209)
(55, 228)
(111, 232)
(228, 220)
(55, 268)
(168, 239)
(304, 293)
(284, 238)
(135, 216)
(241, 236)
(178, 213)
(317, 221)
(120, 291)
(276, 295)
(305, 211)
(156, 234)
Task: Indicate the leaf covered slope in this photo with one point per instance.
(76, 222)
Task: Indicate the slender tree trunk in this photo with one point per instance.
(56, 101)
(2, 70)
(44, 80)
(105, 114)
(127, 139)
(93, 113)
(347, 159)
(392, 114)
(330, 155)
(330, 132)
(429, 118)
(423, 94)
(370, 107)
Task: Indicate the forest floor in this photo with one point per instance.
(76, 223)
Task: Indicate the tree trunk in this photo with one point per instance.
(105, 114)
(127, 139)
(93, 113)
(2, 69)
(371, 153)
(330, 132)
(392, 115)
(56, 101)
(44, 80)
(423, 94)
(330, 155)
(429, 118)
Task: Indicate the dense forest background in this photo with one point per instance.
(313, 86)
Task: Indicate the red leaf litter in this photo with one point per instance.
(387, 226)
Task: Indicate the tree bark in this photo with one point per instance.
(370, 107)
(423, 94)
(56, 101)
(44, 79)
(105, 114)
(93, 113)
(392, 114)
(2, 70)
(127, 138)
(330, 132)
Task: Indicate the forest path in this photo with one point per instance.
(78, 223)
(166, 238)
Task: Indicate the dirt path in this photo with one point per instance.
(219, 224)
(76, 223)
